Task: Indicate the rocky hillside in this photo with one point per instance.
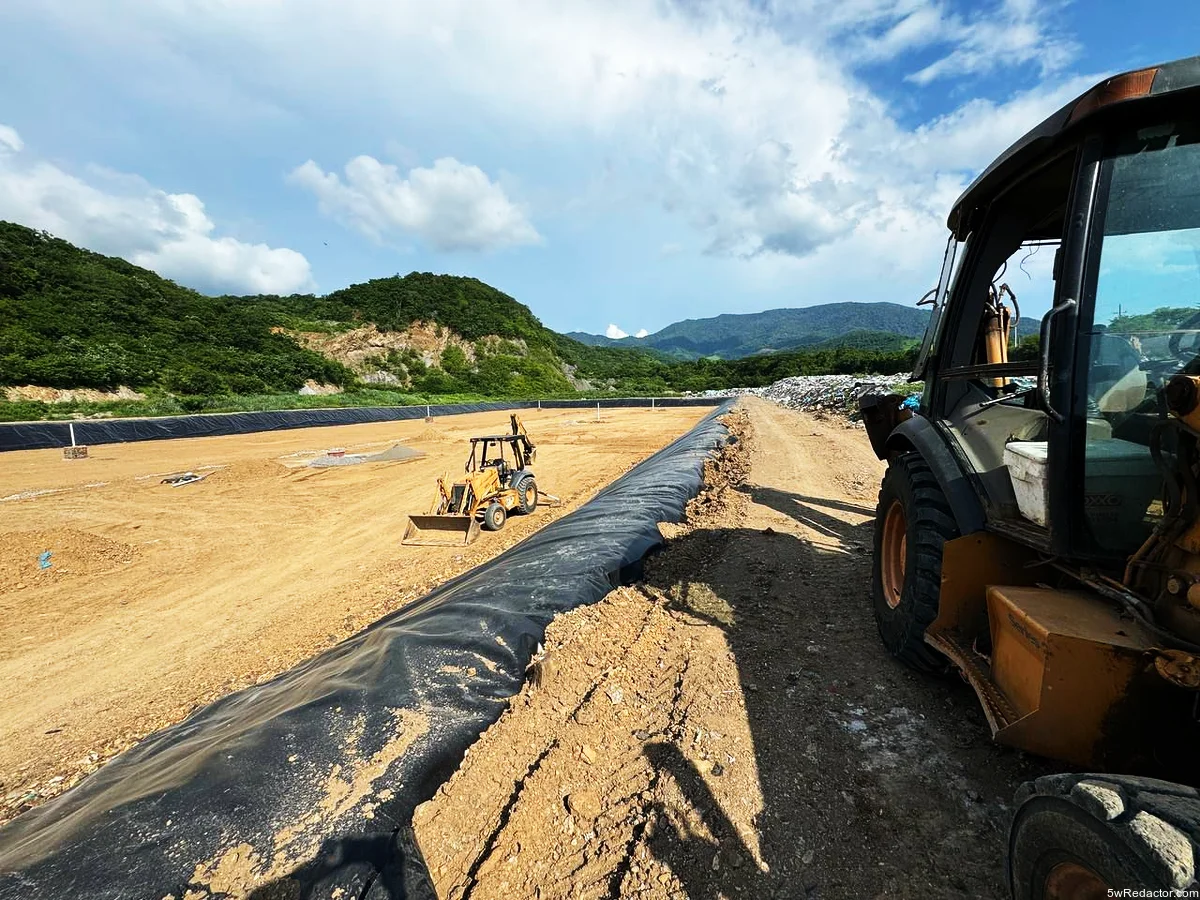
(78, 328)
(72, 319)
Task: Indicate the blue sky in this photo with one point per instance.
(627, 162)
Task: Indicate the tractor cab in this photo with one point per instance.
(504, 453)
(1038, 525)
(1069, 298)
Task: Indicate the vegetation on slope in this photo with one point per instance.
(70, 318)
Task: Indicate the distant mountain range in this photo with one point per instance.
(877, 326)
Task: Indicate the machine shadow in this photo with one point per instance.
(797, 618)
(370, 867)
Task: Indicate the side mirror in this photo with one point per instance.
(1043, 383)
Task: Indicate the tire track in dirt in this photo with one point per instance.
(763, 745)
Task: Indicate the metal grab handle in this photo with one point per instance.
(1044, 367)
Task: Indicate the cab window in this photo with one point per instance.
(1145, 324)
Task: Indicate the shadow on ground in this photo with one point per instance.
(876, 781)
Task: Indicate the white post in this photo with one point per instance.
(597, 410)
(71, 425)
(652, 403)
(539, 406)
(427, 410)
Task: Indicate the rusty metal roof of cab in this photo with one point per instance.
(1110, 98)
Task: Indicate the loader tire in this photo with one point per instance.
(912, 523)
(494, 517)
(527, 494)
(1080, 836)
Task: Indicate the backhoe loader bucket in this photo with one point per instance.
(440, 531)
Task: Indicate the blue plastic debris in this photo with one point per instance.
(912, 402)
(44, 559)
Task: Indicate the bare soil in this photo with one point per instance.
(731, 726)
(17, 393)
(159, 599)
(357, 348)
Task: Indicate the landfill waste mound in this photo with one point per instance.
(829, 393)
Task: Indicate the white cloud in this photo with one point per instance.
(751, 123)
(10, 141)
(642, 333)
(612, 331)
(451, 206)
(1020, 31)
(125, 216)
(1002, 34)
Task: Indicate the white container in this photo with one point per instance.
(1027, 467)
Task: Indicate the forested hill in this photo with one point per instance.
(71, 318)
(74, 319)
(734, 336)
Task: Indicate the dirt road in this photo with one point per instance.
(732, 726)
(158, 599)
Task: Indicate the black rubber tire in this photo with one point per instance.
(1131, 832)
(929, 525)
(527, 494)
(494, 517)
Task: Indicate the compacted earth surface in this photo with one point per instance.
(126, 602)
(731, 726)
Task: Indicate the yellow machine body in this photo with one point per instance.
(455, 516)
(458, 507)
(1060, 673)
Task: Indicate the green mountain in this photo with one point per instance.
(737, 336)
(71, 319)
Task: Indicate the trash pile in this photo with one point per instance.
(829, 393)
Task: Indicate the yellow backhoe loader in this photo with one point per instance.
(498, 481)
(1038, 526)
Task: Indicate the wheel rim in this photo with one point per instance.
(1071, 881)
(531, 496)
(894, 553)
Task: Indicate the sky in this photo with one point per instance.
(615, 165)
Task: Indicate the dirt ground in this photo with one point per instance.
(732, 727)
(158, 599)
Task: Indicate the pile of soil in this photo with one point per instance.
(71, 553)
(631, 728)
(432, 435)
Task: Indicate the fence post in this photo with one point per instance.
(71, 425)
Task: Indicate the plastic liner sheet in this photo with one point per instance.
(90, 432)
(312, 777)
